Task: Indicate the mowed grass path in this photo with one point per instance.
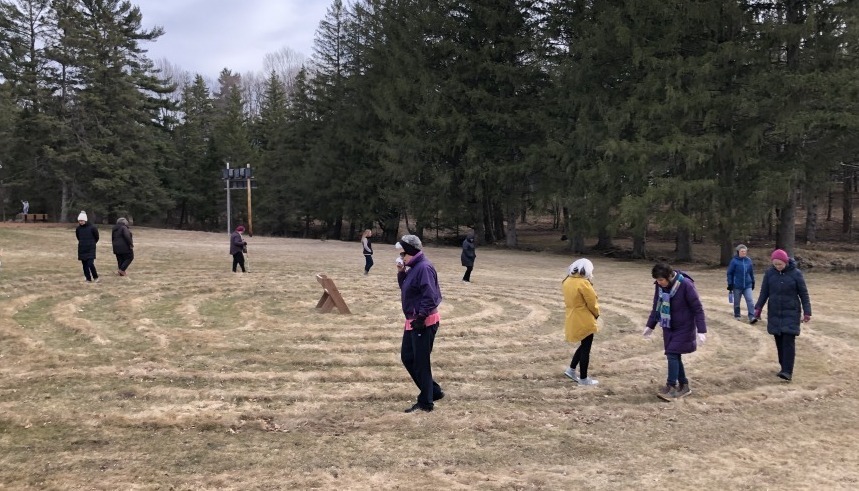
(184, 375)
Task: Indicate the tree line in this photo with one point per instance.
(620, 118)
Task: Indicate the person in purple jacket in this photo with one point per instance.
(420, 296)
(678, 310)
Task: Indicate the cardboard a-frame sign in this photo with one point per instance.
(331, 298)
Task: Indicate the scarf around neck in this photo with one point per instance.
(664, 305)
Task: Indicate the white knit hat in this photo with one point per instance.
(582, 267)
(82, 216)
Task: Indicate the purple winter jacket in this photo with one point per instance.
(420, 293)
(687, 317)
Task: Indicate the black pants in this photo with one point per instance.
(89, 269)
(123, 261)
(368, 262)
(467, 276)
(785, 344)
(415, 353)
(582, 356)
(239, 260)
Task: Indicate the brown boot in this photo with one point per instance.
(683, 391)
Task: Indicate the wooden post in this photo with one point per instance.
(330, 297)
(250, 213)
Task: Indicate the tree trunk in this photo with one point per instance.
(577, 243)
(786, 229)
(811, 222)
(498, 221)
(65, 202)
(604, 241)
(487, 223)
(512, 236)
(351, 236)
(684, 244)
(639, 246)
(829, 206)
(847, 203)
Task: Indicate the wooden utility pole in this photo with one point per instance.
(250, 213)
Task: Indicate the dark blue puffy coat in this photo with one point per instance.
(786, 292)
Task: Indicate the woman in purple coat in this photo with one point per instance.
(678, 310)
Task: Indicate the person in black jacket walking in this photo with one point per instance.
(123, 246)
(468, 256)
(784, 288)
(237, 247)
(87, 236)
(367, 245)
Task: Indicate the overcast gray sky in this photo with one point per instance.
(205, 36)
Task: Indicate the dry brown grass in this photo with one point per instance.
(184, 375)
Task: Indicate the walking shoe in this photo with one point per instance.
(569, 372)
(754, 320)
(736, 317)
(588, 381)
(418, 407)
(667, 392)
(682, 391)
(784, 376)
(438, 397)
(95, 280)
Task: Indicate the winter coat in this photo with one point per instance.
(786, 292)
(237, 244)
(419, 290)
(582, 308)
(687, 317)
(741, 273)
(121, 238)
(367, 245)
(468, 253)
(87, 235)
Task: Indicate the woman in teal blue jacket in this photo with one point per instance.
(741, 281)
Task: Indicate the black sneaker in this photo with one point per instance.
(754, 320)
(418, 407)
(784, 376)
(438, 397)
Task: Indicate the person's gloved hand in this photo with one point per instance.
(648, 333)
(806, 318)
(730, 288)
(419, 322)
(702, 338)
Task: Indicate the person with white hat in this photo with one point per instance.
(87, 235)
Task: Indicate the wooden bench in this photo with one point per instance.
(35, 217)
(331, 297)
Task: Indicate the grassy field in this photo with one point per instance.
(184, 375)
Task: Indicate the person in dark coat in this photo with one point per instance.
(468, 256)
(678, 310)
(784, 288)
(123, 246)
(87, 235)
(741, 281)
(420, 296)
(237, 248)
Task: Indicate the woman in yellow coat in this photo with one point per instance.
(582, 310)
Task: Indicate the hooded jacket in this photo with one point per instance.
(419, 290)
(786, 293)
(468, 253)
(87, 236)
(741, 273)
(582, 308)
(121, 238)
(687, 317)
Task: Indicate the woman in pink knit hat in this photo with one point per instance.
(785, 291)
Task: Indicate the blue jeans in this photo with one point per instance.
(675, 369)
(750, 304)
